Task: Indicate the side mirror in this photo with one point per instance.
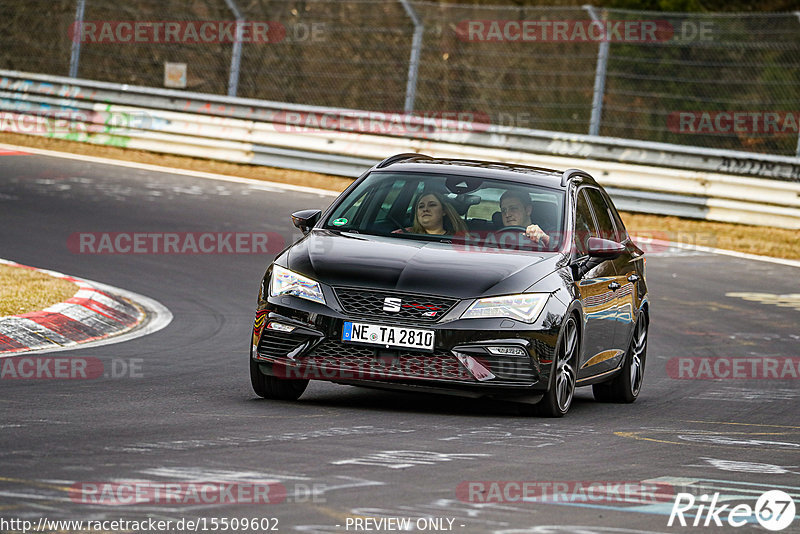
(305, 219)
(604, 248)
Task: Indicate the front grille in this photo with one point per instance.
(333, 359)
(276, 344)
(369, 303)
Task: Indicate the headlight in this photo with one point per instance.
(286, 282)
(525, 307)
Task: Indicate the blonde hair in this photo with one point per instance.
(449, 215)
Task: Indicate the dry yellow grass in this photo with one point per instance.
(751, 239)
(23, 290)
(761, 240)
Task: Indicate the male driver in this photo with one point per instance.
(516, 208)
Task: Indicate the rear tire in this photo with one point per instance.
(626, 385)
(558, 399)
(271, 387)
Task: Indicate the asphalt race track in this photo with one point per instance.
(176, 406)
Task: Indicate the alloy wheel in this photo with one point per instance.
(565, 371)
(638, 351)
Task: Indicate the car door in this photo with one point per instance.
(623, 289)
(597, 296)
(630, 268)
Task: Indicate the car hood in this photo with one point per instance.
(394, 263)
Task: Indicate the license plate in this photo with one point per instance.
(388, 336)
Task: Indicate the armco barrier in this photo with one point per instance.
(675, 180)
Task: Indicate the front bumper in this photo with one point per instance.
(464, 358)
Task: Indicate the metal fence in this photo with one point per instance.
(256, 132)
(713, 80)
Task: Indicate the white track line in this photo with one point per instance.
(172, 170)
(723, 252)
(326, 192)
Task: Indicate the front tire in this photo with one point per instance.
(272, 387)
(558, 399)
(625, 387)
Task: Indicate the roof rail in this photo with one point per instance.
(543, 169)
(398, 157)
(507, 165)
(571, 173)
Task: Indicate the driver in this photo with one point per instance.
(516, 208)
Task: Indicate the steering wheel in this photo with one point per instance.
(522, 230)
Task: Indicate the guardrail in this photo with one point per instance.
(647, 177)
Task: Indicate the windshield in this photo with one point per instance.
(483, 212)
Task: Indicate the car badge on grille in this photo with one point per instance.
(392, 304)
(430, 314)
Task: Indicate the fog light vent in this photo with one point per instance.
(508, 351)
(280, 327)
